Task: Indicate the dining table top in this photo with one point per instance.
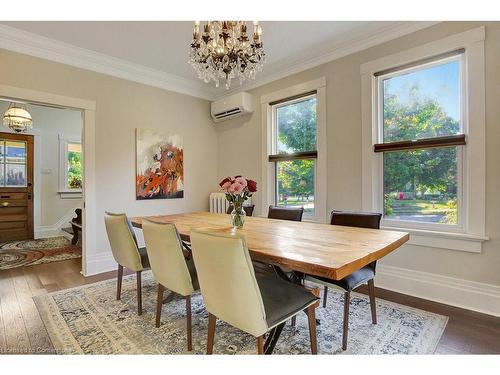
(318, 249)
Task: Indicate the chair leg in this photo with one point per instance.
(139, 293)
(347, 298)
(159, 304)
(188, 323)
(325, 296)
(211, 333)
(119, 282)
(311, 318)
(260, 344)
(294, 321)
(373, 302)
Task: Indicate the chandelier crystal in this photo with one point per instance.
(224, 51)
(17, 118)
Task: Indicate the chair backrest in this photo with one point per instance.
(356, 219)
(122, 240)
(369, 220)
(248, 209)
(227, 279)
(285, 213)
(166, 258)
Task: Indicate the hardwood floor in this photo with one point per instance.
(22, 330)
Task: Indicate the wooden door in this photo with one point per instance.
(16, 187)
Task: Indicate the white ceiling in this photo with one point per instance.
(162, 48)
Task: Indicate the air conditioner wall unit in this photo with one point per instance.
(232, 106)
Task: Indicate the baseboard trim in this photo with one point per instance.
(54, 230)
(100, 263)
(470, 295)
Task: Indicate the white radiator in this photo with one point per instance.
(219, 203)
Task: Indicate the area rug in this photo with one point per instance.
(44, 250)
(89, 320)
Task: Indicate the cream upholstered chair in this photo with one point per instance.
(172, 268)
(234, 293)
(125, 251)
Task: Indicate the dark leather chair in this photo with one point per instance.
(248, 209)
(361, 276)
(285, 213)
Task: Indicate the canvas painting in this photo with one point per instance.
(159, 165)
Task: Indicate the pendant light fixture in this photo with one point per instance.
(17, 118)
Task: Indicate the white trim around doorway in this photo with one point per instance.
(88, 108)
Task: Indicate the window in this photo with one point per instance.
(70, 168)
(421, 132)
(294, 123)
(12, 163)
(294, 149)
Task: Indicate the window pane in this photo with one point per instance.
(2, 148)
(74, 166)
(15, 152)
(423, 103)
(421, 185)
(2, 180)
(15, 175)
(296, 126)
(295, 184)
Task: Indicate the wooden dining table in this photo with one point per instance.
(306, 247)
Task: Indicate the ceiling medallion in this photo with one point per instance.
(18, 118)
(224, 51)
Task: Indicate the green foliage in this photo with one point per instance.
(297, 126)
(296, 177)
(427, 171)
(75, 170)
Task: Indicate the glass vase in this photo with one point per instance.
(238, 216)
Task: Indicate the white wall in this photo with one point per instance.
(50, 211)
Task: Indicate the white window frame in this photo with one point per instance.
(64, 191)
(469, 234)
(268, 195)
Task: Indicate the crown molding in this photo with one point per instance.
(344, 48)
(27, 43)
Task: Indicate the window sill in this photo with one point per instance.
(470, 243)
(68, 194)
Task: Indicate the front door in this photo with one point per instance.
(16, 187)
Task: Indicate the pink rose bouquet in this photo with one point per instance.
(238, 189)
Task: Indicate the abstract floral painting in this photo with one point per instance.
(159, 165)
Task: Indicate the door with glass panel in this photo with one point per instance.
(16, 187)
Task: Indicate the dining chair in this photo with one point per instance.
(172, 268)
(234, 293)
(285, 213)
(248, 209)
(366, 274)
(126, 251)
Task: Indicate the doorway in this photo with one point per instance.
(16, 187)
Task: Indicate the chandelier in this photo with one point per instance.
(17, 118)
(224, 51)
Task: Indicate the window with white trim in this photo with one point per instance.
(70, 167)
(440, 166)
(294, 149)
(421, 135)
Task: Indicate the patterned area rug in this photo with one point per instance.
(90, 320)
(44, 250)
